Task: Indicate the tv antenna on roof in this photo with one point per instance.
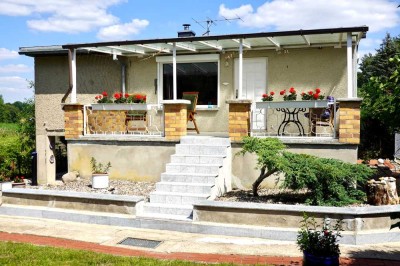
(206, 24)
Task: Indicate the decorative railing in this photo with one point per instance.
(123, 119)
(294, 119)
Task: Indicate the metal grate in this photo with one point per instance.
(137, 242)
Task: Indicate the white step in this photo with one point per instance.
(200, 149)
(205, 140)
(176, 198)
(161, 216)
(188, 177)
(169, 209)
(198, 159)
(192, 168)
(182, 187)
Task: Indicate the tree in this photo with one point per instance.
(328, 181)
(380, 108)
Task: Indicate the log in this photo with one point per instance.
(382, 192)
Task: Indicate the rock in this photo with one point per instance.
(70, 177)
(382, 192)
(58, 183)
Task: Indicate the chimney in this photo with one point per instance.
(187, 32)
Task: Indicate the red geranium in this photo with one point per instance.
(282, 92)
(317, 90)
(105, 94)
(316, 96)
(310, 93)
(292, 90)
(264, 95)
(126, 95)
(272, 93)
(117, 95)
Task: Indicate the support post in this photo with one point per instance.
(240, 92)
(174, 80)
(239, 119)
(349, 66)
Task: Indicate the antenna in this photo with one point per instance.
(206, 24)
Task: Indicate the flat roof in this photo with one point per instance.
(334, 37)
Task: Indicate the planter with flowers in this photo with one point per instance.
(268, 97)
(319, 243)
(292, 96)
(100, 178)
(18, 181)
(5, 183)
(312, 95)
(119, 101)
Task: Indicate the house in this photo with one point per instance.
(230, 72)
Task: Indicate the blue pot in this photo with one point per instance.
(312, 260)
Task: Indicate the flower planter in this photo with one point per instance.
(18, 184)
(120, 106)
(5, 186)
(292, 104)
(100, 181)
(312, 260)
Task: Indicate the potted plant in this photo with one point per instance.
(100, 177)
(18, 181)
(319, 243)
(5, 183)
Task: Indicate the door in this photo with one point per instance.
(254, 85)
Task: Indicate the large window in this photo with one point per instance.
(194, 73)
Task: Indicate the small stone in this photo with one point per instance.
(70, 177)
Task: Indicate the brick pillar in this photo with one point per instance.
(349, 120)
(239, 119)
(175, 118)
(73, 118)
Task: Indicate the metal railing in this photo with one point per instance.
(126, 120)
(295, 119)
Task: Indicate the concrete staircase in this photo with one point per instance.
(200, 170)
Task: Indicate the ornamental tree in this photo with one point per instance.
(328, 181)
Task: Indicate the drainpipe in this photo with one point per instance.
(174, 80)
(240, 92)
(72, 75)
(123, 70)
(350, 65)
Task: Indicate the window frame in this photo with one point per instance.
(161, 60)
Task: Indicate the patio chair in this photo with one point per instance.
(192, 96)
(322, 117)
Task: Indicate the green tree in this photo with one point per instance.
(380, 108)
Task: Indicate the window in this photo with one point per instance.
(194, 73)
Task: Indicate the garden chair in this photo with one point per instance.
(192, 96)
(322, 117)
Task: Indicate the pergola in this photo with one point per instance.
(333, 37)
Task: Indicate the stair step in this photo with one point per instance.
(188, 178)
(166, 216)
(205, 140)
(198, 159)
(192, 168)
(176, 197)
(169, 209)
(196, 188)
(200, 149)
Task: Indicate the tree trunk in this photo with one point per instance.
(382, 192)
(262, 176)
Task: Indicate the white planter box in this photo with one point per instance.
(100, 180)
(292, 104)
(120, 106)
(5, 186)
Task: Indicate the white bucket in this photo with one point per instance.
(99, 180)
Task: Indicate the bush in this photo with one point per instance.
(329, 182)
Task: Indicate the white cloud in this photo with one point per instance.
(70, 16)
(14, 88)
(122, 31)
(311, 14)
(8, 54)
(18, 68)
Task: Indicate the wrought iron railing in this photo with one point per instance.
(295, 119)
(123, 119)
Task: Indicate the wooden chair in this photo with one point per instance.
(192, 96)
(321, 117)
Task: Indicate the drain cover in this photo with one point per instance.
(137, 242)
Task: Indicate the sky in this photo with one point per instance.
(27, 23)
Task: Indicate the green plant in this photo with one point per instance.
(319, 240)
(4, 178)
(328, 181)
(18, 179)
(99, 168)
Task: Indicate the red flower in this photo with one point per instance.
(272, 93)
(282, 92)
(126, 95)
(144, 98)
(105, 94)
(117, 95)
(317, 90)
(22, 177)
(316, 96)
(303, 93)
(292, 90)
(310, 93)
(264, 95)
(97, 97)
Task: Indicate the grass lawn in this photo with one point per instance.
(9, 126)
(27, 254)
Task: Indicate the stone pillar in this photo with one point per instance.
(239, 119)
(349, 120)
(175, 118)
(73, 117)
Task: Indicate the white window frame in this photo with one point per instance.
(187, 59)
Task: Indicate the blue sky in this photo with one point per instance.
(25, 23)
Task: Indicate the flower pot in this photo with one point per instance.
(5, 186)
(18, 184)
(100, 180)
(312, 260)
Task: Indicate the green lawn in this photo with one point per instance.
(9, 126)
(27, 254)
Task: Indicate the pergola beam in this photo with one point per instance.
(185, 46)
(306, 40)
(245, 44)
(104, 51)
(127, 49)
(159, 49)
(215, 46)
(274, 42)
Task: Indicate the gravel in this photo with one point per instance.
(118, 187)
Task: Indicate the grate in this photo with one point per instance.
(137, 242)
